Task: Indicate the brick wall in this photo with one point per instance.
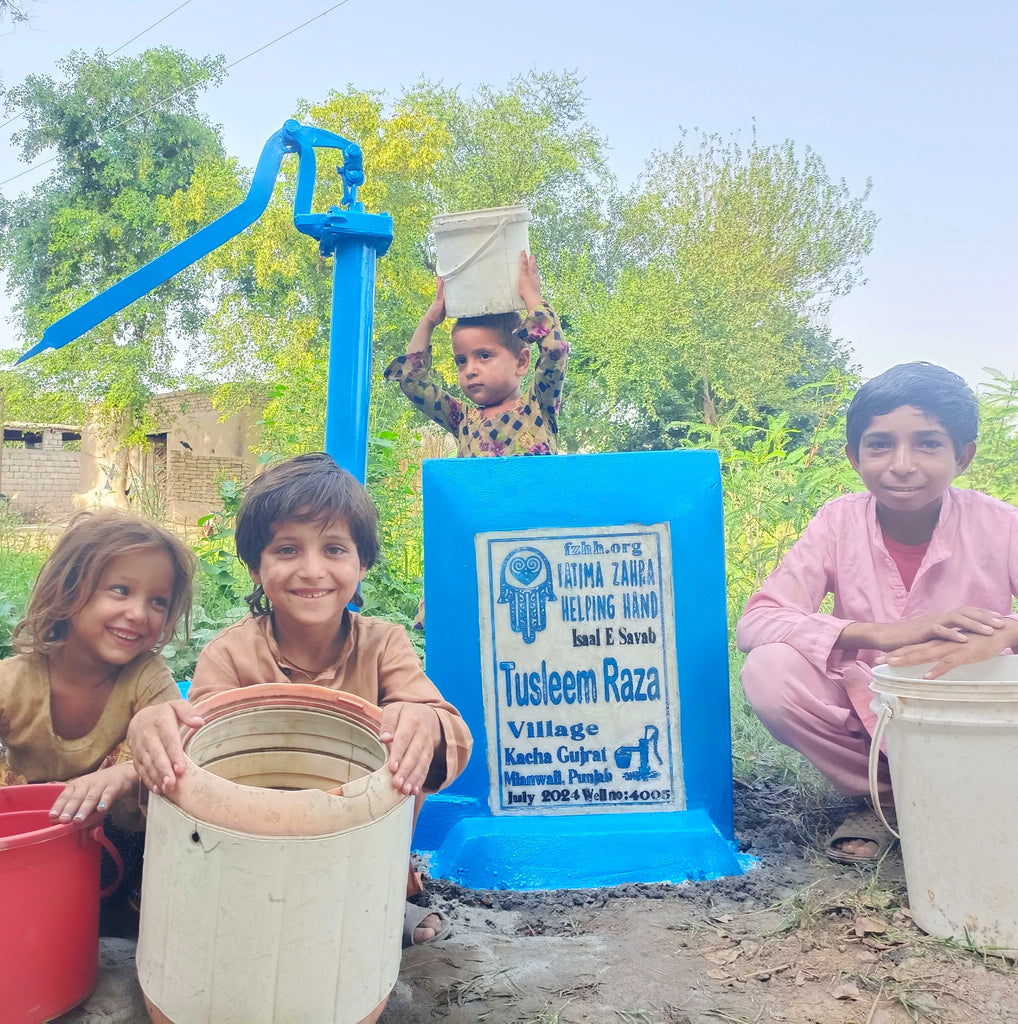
(195, 478)
(41, 480)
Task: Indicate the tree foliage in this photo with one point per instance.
(127, 135)
(728, 259)
(698, 296)
(15, 11)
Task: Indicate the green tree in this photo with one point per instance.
(995, 467)
(127, 135)
(729, 258)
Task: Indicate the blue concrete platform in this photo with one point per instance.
(620, 771)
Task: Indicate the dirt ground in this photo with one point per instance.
(796, 939)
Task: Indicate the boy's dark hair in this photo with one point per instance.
(941, 394)
(69, 577)
(306, 489)
(507, 327)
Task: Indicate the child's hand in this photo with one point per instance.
(948, 654)
(93, 792)
(435, 313)
(420, 341)
(413, 734)
(530, 282)
(154, 739)
(956, 626)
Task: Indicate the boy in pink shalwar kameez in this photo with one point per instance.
(920, 572)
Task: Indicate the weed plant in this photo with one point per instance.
(393, 587)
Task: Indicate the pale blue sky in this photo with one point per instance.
(920, 97)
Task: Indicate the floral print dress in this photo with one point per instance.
(529, 428)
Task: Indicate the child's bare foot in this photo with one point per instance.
(860, 838)
(422, 925)
(857, 849)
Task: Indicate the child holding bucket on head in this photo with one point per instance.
(308, 532)
(106, 601)
(920, 572)
(492, 355)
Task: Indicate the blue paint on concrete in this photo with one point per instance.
(463, 497)
(584, 851)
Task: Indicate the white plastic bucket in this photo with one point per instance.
(275, 874)
(952, 747)
(479, 258)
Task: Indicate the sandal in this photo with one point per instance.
(861, 824)
(413, 915)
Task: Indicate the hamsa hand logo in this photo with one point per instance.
(526, 586)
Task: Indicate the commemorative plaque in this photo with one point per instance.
(578, 666)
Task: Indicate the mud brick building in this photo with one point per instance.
(48, 470)
(40, 468)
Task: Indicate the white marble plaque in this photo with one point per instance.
(581, 699)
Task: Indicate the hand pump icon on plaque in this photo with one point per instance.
(643, 772)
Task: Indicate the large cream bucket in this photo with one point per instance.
(479, 259)
(266, 898)
(952, 747)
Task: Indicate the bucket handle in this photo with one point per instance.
(103, 840)
(475, 255)
(878, 736)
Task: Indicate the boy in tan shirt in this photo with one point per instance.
(307, 532)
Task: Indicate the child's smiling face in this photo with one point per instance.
(126, 615)
(489, 374)
(309, 572)
(907, 460)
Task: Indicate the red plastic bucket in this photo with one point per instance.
(49, 904)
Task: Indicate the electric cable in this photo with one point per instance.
(11, 120)
(149, 29)
(183, 88)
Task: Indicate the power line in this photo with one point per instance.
(304, 24)
(11, 120)
(177, 92)
(149, 29)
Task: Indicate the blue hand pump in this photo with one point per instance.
(353, 237)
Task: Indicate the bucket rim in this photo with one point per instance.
(280, 696)
(478, 218)
(38, 797)
(46, 834)
(999, 682)
(31, 796)
(223, 803)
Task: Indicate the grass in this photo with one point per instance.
(546, 1017)
(484, 986)
(820, 901)
(926, 969)
(18, 569)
